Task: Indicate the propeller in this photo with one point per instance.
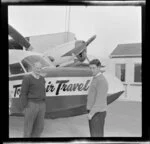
(82, 53)
(19, 38)
(90, 40)
(80, 49)
(83, 45)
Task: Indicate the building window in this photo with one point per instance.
(120, 71)
(137, 72)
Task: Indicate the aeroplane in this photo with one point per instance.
(66, 86)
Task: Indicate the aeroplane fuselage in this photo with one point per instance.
(66, 91)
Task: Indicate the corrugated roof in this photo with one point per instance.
(132, 49)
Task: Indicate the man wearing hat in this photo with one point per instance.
(97, 100)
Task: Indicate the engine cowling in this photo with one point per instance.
(82, 56)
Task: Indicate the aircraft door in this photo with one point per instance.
(16, 73)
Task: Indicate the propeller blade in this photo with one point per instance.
(87, 59)
(18, 37)
(90, 40)
(80, 46)
(83, 45)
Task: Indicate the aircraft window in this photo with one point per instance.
(16, 68)
(137, 72)
(26, 66)
(30, 60)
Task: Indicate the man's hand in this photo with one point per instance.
(89, 116)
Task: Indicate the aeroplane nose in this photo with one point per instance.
(115, 88)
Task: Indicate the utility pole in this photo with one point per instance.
(67, 21)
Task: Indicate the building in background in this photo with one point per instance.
(125, 63)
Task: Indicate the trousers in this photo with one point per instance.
(96, 124)
(34, 119)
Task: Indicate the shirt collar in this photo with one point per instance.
(98, 74)
(35, 76)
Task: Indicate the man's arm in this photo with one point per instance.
(91, 97)
(24, 92)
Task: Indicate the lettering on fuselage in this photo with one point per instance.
(61, 86)
(17, 89)
(65, 86)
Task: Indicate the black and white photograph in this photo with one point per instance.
(75, 71)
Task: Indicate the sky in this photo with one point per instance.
(112, 25)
